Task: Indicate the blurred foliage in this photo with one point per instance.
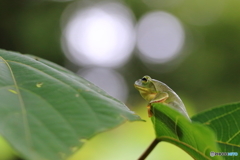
(32, 26)
(207, 74)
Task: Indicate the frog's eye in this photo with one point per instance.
(144, 79)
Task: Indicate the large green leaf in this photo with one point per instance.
(47, 112)
(171, 126)
(225, 121)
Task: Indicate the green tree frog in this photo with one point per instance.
(155, 91)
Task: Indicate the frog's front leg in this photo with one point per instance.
(149, 110)
(160, 98)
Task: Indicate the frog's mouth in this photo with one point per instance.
(142, 89)
(145, 93)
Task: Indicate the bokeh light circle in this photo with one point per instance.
(160, 37)
(108, 80)
(101, 34)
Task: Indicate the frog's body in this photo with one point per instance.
(155, 91)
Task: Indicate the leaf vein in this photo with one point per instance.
(231, 138)
(230, 144)
(56, 111)
(215, 118)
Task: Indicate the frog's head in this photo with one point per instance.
(146, 87)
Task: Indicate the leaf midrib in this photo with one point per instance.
(220, 116)
(22, 107)
(56, 111)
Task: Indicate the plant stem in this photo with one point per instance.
(149, 149)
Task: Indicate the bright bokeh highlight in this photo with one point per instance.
(98, 35)
(108, 80)
(160, 37)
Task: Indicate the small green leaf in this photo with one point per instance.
(47, 112)
(194, 138)
(225, 122)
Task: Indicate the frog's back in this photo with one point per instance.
(173, 100)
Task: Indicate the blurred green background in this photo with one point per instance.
(204, 70)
